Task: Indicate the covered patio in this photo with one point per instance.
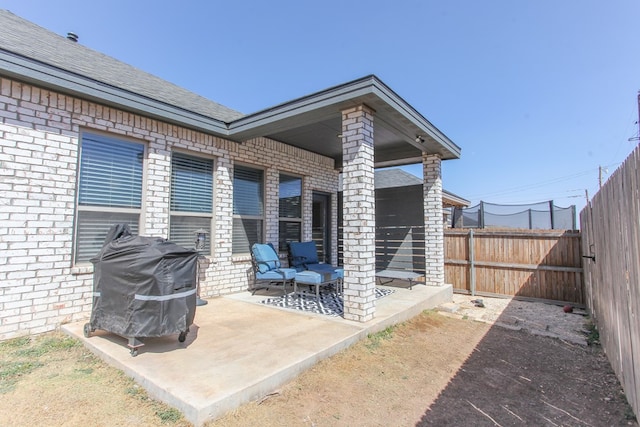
(239, 349)
(362, 125)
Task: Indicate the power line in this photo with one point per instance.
(539, 184)
(630, 122)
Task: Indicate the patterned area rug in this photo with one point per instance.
(330, 302)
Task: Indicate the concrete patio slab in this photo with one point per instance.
(239, 350)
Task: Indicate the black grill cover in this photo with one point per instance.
(143, 286)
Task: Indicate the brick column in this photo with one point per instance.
(358, 214)
(433, 227)
(271, 211)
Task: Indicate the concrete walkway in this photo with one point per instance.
(239, 350)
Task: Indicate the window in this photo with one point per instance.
(290, 206)
(248, 208)
(191, 199)
(109, 190)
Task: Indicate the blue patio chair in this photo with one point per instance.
(267, 269)
(303, 257)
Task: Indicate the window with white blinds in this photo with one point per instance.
(191, 199)
(290, 208)
(109, 190)
(248, 208)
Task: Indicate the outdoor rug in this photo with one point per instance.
(330, 302)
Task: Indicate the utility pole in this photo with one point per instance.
(599, 176)
(600, 170)
(635, 138)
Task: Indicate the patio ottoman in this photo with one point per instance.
(318, 278)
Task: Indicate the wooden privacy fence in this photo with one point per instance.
(611, 240)
(524, 263)
(527, 264)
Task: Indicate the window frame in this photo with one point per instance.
(262, 218)
(79, 208)
(297, 220)
(210, 215)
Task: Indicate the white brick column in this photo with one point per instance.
(272, 212)
(358, 214)
(307, 210)
(433, 227)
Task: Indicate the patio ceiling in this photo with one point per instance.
(314, 123)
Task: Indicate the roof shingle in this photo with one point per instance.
(17, 35)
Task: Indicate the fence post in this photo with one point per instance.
(530, 221)
(481, 215)
(472, 267)
(553, 222)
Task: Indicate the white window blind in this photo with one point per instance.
(191, 199)
(248, 208)
(290, 208)
(109, 190)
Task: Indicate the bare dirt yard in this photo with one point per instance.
(505, 364)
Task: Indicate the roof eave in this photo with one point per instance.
(49, 77)
(449, 149)
(368, 90)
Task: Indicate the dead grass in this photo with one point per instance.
(408, 374)
(53, 380)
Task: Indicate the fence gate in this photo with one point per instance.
(524, 263)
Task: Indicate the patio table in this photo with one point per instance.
(392, 275)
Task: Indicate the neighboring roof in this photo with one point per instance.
(450, 199)
(38, 56)
(392, 178)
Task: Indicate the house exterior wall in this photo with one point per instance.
(40, 288)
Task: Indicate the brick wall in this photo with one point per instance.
(40, 288)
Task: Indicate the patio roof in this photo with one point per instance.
(314, 122)
(401, 134)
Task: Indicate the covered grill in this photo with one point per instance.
(143, 287)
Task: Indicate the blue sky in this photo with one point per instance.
(538, 93)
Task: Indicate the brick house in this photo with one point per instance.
(87, 141)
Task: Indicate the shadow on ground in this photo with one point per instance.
(515, 378)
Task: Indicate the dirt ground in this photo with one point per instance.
(507, 363)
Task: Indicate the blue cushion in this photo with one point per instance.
(266, 257)
(309, 277)
(303, 254)
(278, 274)
(322, 268)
